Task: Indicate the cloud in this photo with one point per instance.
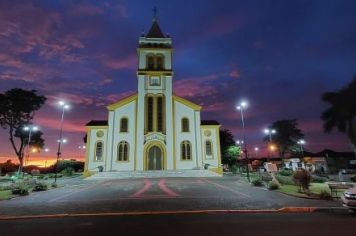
(195, 86)
(128, 62)
(86, 9)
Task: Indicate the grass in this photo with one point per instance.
(5, 195)
(315, 188)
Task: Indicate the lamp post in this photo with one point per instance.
(241, 107)
(29, 129)
(64, 106)
(301, 142)
(81, 148)
(256, 151)
(270, 132)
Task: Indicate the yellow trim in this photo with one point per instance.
(122, 102)
(89, 127)
(174, 134)
(135, 157)
(154, 72)
(87, 150)
(210, 126)
(218, 170)
(154, 49)
(147, 148)
(217, 129)
(88, 173)
(187, 103)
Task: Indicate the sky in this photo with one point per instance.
(279, 55)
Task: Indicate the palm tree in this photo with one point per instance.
(342, 111)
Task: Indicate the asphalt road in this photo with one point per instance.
(284, 224)
(160, 194)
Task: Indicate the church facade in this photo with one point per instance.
(153, 129)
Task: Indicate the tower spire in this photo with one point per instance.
(155, 11)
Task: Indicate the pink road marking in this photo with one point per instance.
(144, 188)
(162, 185)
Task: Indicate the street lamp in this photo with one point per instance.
(64, 107)
(241, 107)
(256, 150)
(301, 142)
(29, 129)
(270, 132)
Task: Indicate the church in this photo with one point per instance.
(153, 129)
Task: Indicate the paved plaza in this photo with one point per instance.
(153, 194)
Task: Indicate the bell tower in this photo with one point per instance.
(154, 78)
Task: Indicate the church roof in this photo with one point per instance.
(209, 122)
(155, 31)
(97, 123)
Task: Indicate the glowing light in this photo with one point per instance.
(46, 149)
(301, 142)
(256, 149)
(272, 147)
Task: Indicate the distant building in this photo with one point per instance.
(153, 129)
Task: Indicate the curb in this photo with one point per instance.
(141, 213)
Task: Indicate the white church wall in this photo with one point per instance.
(127, 111)
(169, 124)
(92, 139)
(210, 133)
(182, 111)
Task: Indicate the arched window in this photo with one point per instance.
(150, 62)
(99, 151)
(124, 125)
(160, 112)
(208, 148)
(159, 63)
(149, 114)
(123, 151)
(185, 150)
(185, 125)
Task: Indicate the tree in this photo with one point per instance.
(342, 112)
(229, 150)
(286, 137)
(17, 109)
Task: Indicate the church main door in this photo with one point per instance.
(155, 160)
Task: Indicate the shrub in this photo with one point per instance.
(285, 180)
(54, 185)
(272, 185)
(67, 171)
(257, 182)
(35, 172)
(318, 179)
(266, 177)
(19, 189)
(353, 178)
(325, 195)
(285, 172)
(302, 178)
(40, 186)
(234, 169)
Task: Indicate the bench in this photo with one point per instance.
(334, 187)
